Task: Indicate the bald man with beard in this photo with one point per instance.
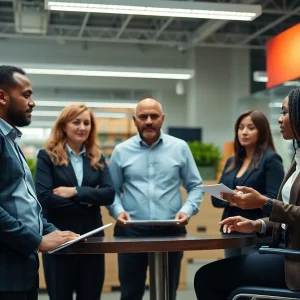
(147, 171)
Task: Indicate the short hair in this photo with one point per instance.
(264, 142)
(294, 112)
(7, 75)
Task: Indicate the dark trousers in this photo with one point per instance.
(31, 294)
(133, 266)
(218, 279)
(66, 274)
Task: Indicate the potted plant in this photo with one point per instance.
(31, 164)
(207, 158)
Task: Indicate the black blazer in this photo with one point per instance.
(18, 242)
(266, 179)
(73, 213)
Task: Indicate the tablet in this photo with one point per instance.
(83, 236)
(153, 222)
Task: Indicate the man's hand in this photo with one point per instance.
(240, 224)
(123, 217)
(65, 192)
(55, 239)
(182, 218)
(246, 198)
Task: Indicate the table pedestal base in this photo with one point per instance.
(159, 278)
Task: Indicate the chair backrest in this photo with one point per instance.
(256, 292)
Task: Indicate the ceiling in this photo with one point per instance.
(18, 17)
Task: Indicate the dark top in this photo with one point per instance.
(79, 214)
(266, 179)
(18, 241)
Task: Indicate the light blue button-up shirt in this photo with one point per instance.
(24, 196)
(77, 163)
(149, 179)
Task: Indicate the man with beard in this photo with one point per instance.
(147, 170)
(23, 230)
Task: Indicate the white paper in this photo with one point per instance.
(83, 236)
(216, 189)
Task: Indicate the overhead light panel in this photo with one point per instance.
(113, 115)
(260, 76)
(151, 73)
(47, 103)
(163, 8)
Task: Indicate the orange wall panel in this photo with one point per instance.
(283, 57)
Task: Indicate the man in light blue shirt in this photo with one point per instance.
(147, 170)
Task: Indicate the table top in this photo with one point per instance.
(159, 244)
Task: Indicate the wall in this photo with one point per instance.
(222, 77)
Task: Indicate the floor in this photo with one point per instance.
(187, 294)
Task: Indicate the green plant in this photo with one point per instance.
(205, 154)
(31, 164)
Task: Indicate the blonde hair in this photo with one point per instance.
(56, 144)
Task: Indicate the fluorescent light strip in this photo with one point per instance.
(151, 11)
(114, 115)
(260, 76)
(88, 104)
(275, 104)
(126, 74)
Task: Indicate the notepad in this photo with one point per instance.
(153, 222)
(83, 236)
(216, 189)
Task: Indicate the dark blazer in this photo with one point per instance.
(18, 242)
(288, 214)
(73, 214)
(266, 179)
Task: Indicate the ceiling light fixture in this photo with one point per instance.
(260, 76)
(46, 103)
(150, 73)
(113, 115)
(165, 8)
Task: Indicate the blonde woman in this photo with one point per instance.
(72, 182)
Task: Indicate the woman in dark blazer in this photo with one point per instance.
(218, 279)
(72, 182)
(255, 164)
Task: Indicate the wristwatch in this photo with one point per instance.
(268, 206)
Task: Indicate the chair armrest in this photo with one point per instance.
(268, 250)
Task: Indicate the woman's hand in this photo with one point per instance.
(246, 198)
(240, 224)
(65, 192)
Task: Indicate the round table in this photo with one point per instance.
(158, 248)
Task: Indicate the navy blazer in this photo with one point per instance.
(18, 242)
(266, 179)
(73, 213)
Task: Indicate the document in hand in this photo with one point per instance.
(216, 189)
(83, 236)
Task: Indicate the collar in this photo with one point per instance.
(142, 143)
(13, 133)
(70, 151)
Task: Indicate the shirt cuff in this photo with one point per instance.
(116, 210)
(187, 210)
(263, 227)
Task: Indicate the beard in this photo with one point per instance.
(16, 116)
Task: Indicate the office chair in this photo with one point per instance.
(258, 292)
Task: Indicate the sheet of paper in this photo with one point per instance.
(83, 236)
(216, 189)
(153, 222)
